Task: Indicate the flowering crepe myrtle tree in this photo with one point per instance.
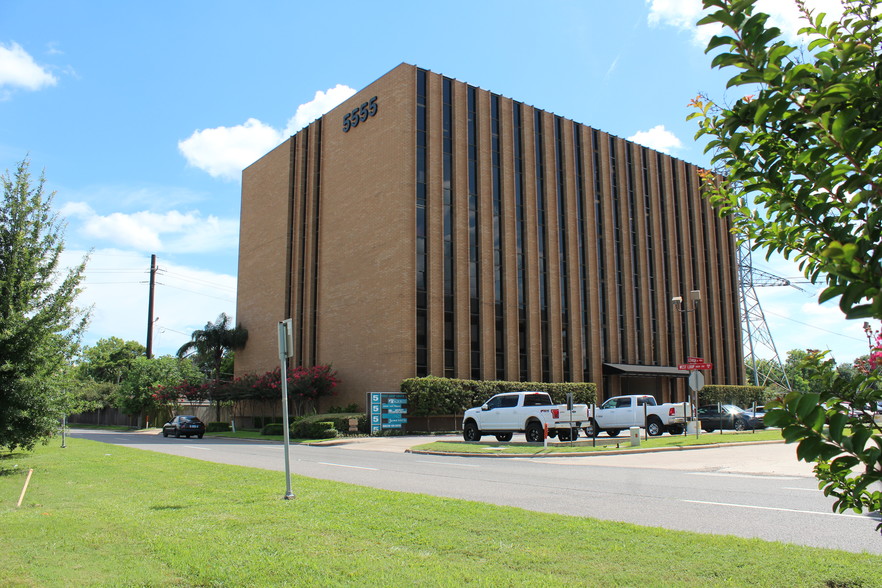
(799, 169)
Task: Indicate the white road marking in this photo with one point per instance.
(340, 465)
(751, 476)
(197, 447)
(814, 512)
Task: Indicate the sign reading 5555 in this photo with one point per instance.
(359, 114)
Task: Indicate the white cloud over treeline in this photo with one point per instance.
(146, 231)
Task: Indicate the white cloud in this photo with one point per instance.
(658, 138)
(684, 14)
(19, 70)
(180, 232)
(116, 287)
(224, 152)
(320, 104)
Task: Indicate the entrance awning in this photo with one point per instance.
(626, 369)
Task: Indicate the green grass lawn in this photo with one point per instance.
(582, 444)
(103, 515)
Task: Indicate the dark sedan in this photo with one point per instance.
(185, 425)
(727, 416)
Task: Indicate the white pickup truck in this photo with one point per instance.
(524, 412)
(624, 412)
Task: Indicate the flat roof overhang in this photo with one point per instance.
(626, 369)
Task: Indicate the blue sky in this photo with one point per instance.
(143, 115)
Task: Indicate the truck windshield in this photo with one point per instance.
(537, 400)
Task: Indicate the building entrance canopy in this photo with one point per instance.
(625, 369)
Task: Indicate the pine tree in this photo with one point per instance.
(40, 325)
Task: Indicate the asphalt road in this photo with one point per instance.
(755, 491)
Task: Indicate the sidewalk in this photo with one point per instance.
(766, 459)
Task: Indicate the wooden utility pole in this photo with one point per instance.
(150, 306)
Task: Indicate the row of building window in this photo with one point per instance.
(629, 253)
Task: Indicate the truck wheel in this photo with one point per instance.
(654, 426)
(591, 429)
(563, 434)
(471, 432)
(612, 432)
(503, 437)
(740, 425)
(534, 433)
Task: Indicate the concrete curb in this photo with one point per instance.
(596, 453)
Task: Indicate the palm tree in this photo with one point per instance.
(210, 344)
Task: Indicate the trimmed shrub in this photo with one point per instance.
(309, 429)
(272, 429)
(432, 396)
(743, 396)
(217, 427)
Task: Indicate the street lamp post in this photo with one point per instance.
(677, 301)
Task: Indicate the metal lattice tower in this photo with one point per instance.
(754, 330)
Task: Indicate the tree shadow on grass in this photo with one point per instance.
(6, 467)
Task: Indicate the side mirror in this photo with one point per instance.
(485, 407)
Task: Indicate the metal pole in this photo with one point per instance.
(283, 359)
(150, 306)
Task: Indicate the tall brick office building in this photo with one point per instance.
(426, 226)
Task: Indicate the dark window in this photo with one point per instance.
(617, 247)
(520, 233)
(498, 294)
(541, 222)
(422, 308)
(562, 233)
(447, 228)
(474, 242)
(599, 230)
(582, 257)
(509, 402)
(537, 400)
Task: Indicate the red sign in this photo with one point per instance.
(695, 366)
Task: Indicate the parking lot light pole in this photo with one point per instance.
(286, 349)
(677, 301)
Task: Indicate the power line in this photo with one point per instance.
(814, 326)
(195, 292)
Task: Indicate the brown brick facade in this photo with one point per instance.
(329, 239)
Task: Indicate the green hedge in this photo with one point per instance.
(432, 396)
(307, 429)
(217, 427)
(318, 426)
(743, 396)
(272, 429)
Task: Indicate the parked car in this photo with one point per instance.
(758, 413)
(186, 425)
(726, 416)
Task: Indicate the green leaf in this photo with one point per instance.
(809, 449)
(837, 425)
(806, 404)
